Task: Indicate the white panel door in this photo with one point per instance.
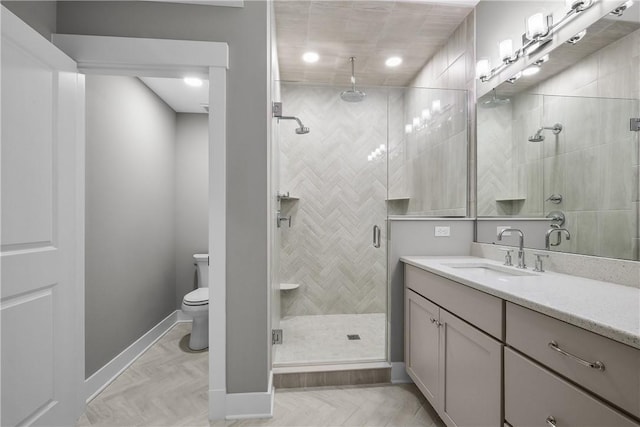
(42, 234)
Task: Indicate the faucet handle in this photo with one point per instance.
(507, 256)
(538, 266)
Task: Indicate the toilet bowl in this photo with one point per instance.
(196, 305)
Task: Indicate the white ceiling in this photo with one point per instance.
(369, 30)
(179, 96)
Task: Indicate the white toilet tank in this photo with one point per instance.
(202, 263)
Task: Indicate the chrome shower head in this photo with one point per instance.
(302, 130)
(539, 137)
(353, 95)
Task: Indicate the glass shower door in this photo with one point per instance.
(333, 186)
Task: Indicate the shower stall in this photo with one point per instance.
(338, 184)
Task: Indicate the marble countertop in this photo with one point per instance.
(605, 308)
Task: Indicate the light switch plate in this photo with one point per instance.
(442, 231)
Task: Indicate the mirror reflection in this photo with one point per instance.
(560, 146)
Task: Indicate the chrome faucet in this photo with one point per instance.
(547, 243)
(521, 263)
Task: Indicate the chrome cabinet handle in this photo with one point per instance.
(436, 322)
(376, 236)
(594, 365)
(551, 421)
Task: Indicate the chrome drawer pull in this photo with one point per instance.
(595, 365)
(551, 422)
(435, 321)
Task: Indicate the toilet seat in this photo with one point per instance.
(197, 298)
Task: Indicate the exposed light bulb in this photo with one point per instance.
(408, 128)
(426, 114)
(436, 106)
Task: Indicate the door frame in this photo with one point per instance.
(128, 56)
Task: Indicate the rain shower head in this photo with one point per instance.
(539, 137)
(353, 95)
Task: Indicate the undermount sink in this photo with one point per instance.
(486, 270)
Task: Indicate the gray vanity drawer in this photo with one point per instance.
(619, 382)
(534, 394)
(481, 310)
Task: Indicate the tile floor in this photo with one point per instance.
(167, 386)
(323, 339)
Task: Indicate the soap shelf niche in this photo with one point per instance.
(289, 286)
(283, 197)
(398, 199)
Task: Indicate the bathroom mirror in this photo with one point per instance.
(559, 145)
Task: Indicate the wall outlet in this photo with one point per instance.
(442, 231)
(502, 227)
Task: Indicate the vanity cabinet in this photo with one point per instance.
(456, 366)
(483, 361)
(614, 373)
(536, 397)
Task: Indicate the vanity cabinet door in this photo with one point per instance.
(535, 397)
(471, 375)
(421, 344)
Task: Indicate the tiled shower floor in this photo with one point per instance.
(323, 339)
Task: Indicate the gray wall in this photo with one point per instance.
(245, 30)
(130, 274)
(40, 15)
(192, 197)
(415, 238)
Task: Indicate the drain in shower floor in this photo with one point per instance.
(353, 337)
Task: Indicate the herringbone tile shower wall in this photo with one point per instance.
(328, 249)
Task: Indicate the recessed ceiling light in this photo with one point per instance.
(193, 81)
(310, 57)
(393, 61)
(534, 69)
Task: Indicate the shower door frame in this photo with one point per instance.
(383, 223)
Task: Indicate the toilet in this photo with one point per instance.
(196, 305)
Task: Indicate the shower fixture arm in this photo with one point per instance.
(291, 118)
(556, 129)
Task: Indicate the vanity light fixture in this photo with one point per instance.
(408, 128)
(393, 61)
(310, 57)
(539, 29)
(193, 81)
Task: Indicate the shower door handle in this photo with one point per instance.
(376, 236)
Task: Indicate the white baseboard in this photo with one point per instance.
(399, 373)
(109, 372)
(251, 405)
